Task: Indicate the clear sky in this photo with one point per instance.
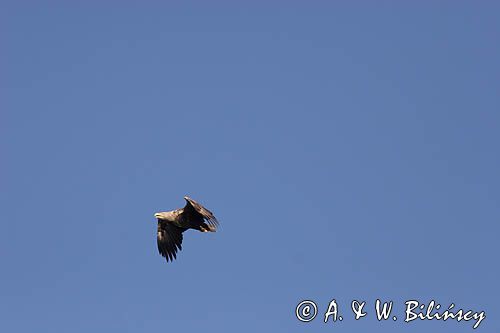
(350, 152)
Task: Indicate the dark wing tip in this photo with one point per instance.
(207, 214)
(169, 240)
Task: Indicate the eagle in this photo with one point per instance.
(172, 224)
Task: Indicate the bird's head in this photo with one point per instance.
(161, 216)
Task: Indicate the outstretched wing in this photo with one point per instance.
(194, 209)
(169, 239)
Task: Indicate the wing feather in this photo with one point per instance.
(169, 239)
(194, 207)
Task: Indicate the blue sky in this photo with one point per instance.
(349, 152)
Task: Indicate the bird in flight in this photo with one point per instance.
(172, 224)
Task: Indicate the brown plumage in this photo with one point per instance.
(172, 224)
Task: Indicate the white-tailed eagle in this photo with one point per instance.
(172, 224)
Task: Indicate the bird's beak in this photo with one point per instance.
(158, 215)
